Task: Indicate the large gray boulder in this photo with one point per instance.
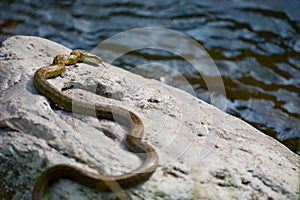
(204, 153)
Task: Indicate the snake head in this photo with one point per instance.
(84, 56)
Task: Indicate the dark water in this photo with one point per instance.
(255, 44)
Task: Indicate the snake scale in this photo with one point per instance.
(133, 140)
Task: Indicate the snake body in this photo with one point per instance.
(133, 139)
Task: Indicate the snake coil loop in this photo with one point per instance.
(133, 139)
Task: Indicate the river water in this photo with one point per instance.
(255, 45)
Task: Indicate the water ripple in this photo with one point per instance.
(255, 45)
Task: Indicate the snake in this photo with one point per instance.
(133, 138)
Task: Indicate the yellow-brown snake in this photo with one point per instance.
(133, 139)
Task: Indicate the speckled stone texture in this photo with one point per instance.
(204, 153)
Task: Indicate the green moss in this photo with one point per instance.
(46, 197)
(160, 195)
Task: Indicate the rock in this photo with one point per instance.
(204, 153)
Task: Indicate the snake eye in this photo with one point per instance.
(79, 54)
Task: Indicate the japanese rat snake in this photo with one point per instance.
(133, 139)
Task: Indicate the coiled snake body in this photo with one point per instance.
(133, 139)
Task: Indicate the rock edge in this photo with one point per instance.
(204, 152)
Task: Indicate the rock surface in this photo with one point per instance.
(204, 153)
